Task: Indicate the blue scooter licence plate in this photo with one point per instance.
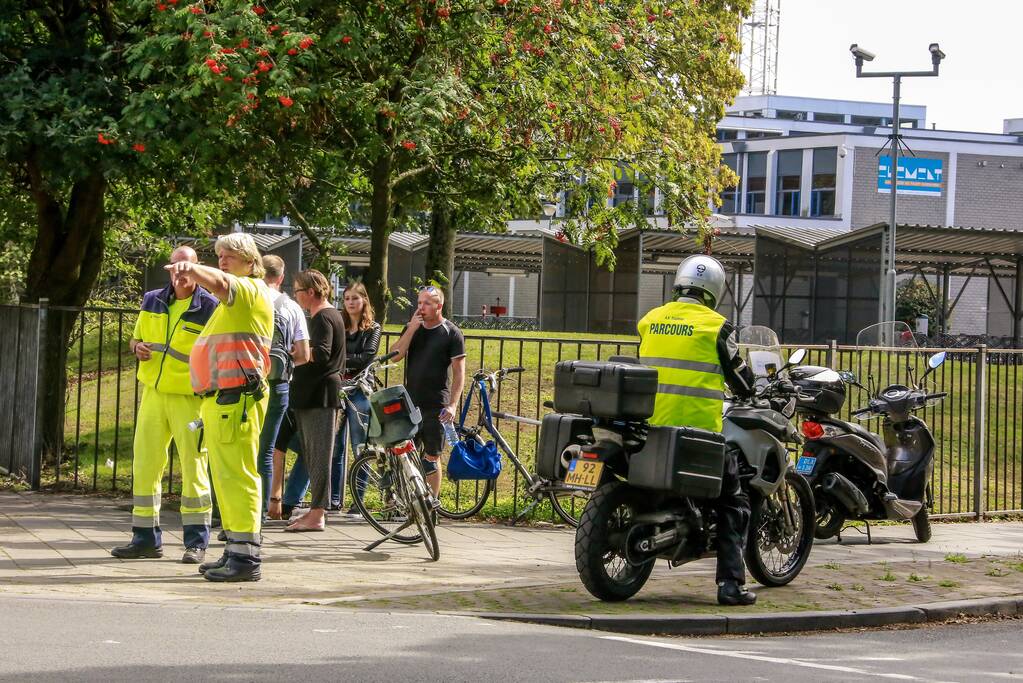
(805, 464)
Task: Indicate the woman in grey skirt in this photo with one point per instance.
(315, 389)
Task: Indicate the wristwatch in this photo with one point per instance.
(275, 500)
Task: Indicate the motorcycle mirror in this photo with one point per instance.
(797, 357)
(933, 363)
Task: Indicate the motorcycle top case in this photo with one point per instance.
(686, 461)
(605, 389)
(557, 432)
(394, 417)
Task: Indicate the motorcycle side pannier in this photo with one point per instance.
(684, 460)
(605, 389)
(557, 432)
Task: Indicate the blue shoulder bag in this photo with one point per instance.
(472, 460)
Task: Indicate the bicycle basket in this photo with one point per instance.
(472, 460)
(394, 417)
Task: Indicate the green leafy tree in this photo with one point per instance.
(395, 105)
(914, 298)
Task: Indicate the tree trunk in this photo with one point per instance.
(380, 231)
(63, 268)
(440, 256)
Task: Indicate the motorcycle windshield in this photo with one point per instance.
(761, 350)
(890, 335)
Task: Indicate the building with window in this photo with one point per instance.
(814, 163)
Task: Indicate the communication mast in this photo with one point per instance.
(759, 59)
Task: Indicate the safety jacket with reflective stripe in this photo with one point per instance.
(167, 369)
(680, 339)
(236, 341)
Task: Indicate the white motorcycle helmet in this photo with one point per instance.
(701, 277)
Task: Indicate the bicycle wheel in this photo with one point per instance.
(381, 503)
(422, 513)
(569, 504)
(463, 499)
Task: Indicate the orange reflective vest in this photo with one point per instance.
(235, 344)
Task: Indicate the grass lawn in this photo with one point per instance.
(100, 453)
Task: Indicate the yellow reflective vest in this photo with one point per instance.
(167, 369)
(680, 340)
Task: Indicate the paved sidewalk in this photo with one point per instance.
(57, 545)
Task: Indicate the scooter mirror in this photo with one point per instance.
(797, 357)
(935, 361)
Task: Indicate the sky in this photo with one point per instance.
(981, 79)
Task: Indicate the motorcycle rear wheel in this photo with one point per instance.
(767, 533)
(599, 543)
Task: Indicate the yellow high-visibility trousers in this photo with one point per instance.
(163, 417)
(231, 437)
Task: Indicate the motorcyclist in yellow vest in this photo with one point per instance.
(695, 352)
(229, 365)
(167, 327)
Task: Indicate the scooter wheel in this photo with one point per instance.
(922, 525)
(829, 522)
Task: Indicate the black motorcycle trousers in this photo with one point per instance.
(733, 515)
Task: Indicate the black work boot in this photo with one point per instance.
(214, 564)
(134, 551)
(731, 593)
(232, 570)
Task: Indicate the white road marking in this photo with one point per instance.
(763, 658)
(324, 630)
(111, 642)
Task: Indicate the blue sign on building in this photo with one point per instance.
(916, 176)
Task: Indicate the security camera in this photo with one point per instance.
(859, 53)
(936, 52)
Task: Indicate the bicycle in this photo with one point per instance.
(387, 484)
(567, 502)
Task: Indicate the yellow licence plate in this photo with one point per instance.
(584, 474)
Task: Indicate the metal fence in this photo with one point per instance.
(977, 429)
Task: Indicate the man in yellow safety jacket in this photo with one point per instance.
(229, 365)
(695, 352)
(168, 325)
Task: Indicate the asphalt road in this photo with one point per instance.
(59, 640)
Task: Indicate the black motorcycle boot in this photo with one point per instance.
(134, 551)
(233, 571)
(731, 594)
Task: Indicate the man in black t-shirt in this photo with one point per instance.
(432, 345)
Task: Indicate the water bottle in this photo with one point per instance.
(450, 435)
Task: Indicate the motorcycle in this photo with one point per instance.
(853, 472)
(654, 486)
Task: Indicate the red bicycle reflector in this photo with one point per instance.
(403, 448)
(391, 408)
(812, 430)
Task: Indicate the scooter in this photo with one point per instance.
(853, 472)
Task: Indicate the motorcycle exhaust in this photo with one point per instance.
(845, 492)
